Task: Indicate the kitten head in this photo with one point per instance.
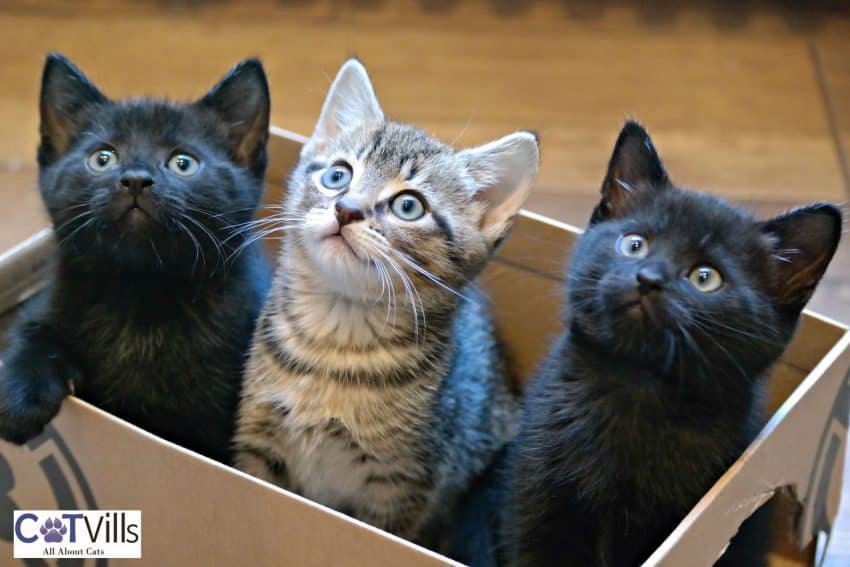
(146, 184)
(374, 201)
(688, 283)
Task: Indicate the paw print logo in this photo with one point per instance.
(53, 530)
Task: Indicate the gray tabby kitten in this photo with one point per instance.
(375, 384)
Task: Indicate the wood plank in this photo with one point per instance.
(755, 18)
(833, 62)
(739, 116)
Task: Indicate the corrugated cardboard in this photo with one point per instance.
(198, 512)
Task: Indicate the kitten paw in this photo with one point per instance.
(31, 395)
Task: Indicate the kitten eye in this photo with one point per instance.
(337, 177)
(102, 160)
(408, 207)
(183, 164)
(633, 245)
(706, 279)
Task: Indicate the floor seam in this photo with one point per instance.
(831, 115)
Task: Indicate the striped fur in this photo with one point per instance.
(375, 383)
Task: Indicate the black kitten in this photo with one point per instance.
(679, 302)
(149, 313)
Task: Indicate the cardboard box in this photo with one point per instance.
(198, 512)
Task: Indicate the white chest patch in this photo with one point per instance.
(335, 438)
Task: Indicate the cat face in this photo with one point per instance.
(688, 282)
(374, 202)
(148, 184)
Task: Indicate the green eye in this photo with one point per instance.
(102, 160)
(633, 245)
(408, 207)
(706, 279)
(183, 165)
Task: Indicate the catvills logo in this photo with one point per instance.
(44, 474)
(78, 533)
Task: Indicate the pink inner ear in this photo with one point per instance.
(803, 241)
(797, 272)
(316, 144)
(497, 217)
(505, 204)
(55, 127)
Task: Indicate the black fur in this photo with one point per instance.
(149, 313)
(476, 536)
(640, 407)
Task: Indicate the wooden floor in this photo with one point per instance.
(750, 99)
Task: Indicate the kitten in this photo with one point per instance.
(376, 385)
(679, 302)
(144, 317)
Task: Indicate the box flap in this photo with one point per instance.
(194, 511)
(800, 449)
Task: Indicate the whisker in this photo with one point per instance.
(261, 224)
(428, 275)
(733, 332)
(211, 236)
(199, 251)
(259, 235)
(708, 334)
(78, 229)
(161, 265)
(72, 220)
(412, 295)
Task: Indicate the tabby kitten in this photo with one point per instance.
(144, 316)
(679, 302)
(375, 384)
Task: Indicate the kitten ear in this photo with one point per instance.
(504, 171)
(241, 101)
(351, 101)
(805, 239)
(65, 93)
(635, 166)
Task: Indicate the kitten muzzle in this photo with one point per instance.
(134, 210)
(643, 306)
(332, 235)
(133, 201)
(339, 240)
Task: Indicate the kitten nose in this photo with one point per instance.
(136, 181)
(651, 277)
(348, 211)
